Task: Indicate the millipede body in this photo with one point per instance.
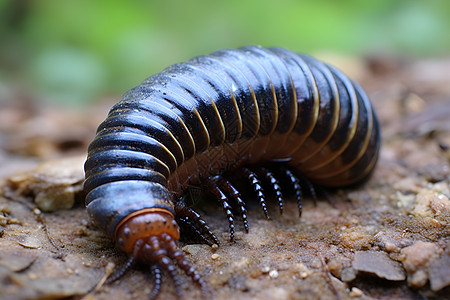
(238, 112)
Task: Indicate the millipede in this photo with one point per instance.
(267, 115)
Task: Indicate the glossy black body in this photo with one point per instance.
(199, 118)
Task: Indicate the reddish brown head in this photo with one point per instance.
(150, 236)
(144, 224)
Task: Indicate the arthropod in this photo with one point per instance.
(233, 111)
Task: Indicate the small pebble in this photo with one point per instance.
(214, 256)
(355, 292)
(303, 275)
(273, 274)
(304, 271)
(378, 264)
(348, 274)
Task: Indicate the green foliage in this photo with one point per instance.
(74, 51)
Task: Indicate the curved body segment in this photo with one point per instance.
(216, 113)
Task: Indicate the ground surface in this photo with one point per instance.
(386, 239)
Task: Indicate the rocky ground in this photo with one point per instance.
(386, 239)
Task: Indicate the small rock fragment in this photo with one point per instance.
(273, 274)
(440, 205)
(392, 241)
(31, 242)
(402, 199)
(418, 279)
(356, 237)
(430, 203)
(53, 184)
(335, 266)
(355, 292)
(417, 260)
(348, 274)
(422, 205)
(378, 264)
(420, 253)
(192, 249)
(54, 288)
(303, 270)
(17, 260)
(440, 272)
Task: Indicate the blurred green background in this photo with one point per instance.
(79, 51)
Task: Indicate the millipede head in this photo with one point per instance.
(151, 237)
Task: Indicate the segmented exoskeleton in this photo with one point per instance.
(237, 111)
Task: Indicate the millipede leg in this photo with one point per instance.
(229, 188)
(162, 250)
(312, 190)
(189, 220)
(157, 280)
(186, 266)
(297, 188)
(257, 187)
(327, 195)
(168, 265)
(130, 262)
(263, 172)
(214, 188)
